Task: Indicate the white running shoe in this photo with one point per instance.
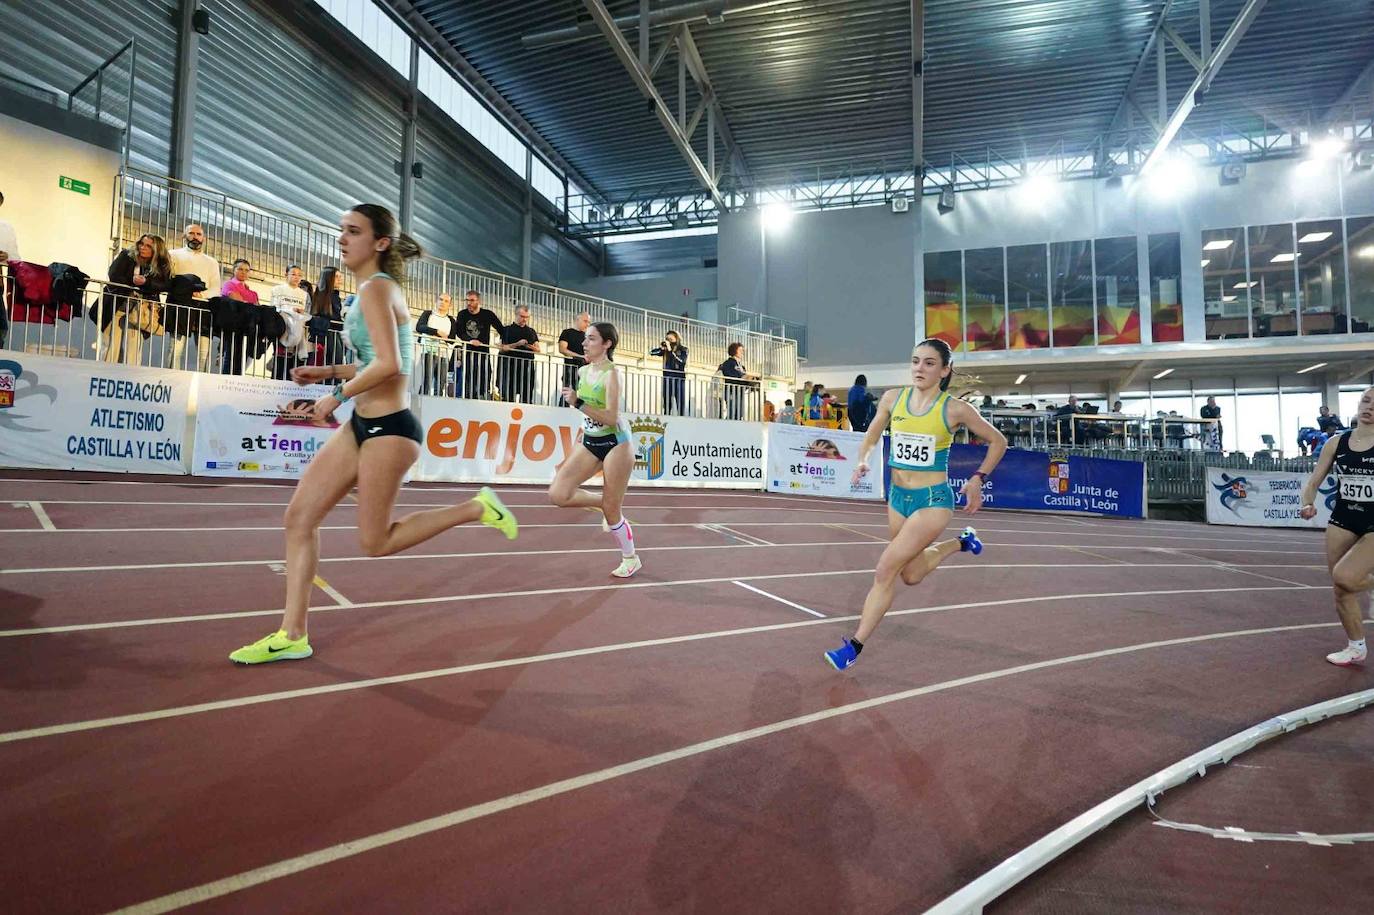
(628, 566)
(1347, 657)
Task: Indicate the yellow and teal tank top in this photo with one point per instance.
(920, 441)
(356, 334)
(591, 390)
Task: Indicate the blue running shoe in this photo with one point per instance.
(842, 657)
(969, 542)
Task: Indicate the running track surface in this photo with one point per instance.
(493, 726)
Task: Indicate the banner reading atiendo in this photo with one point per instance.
(819, 462)
(76, 415)
(1261, 498)
(259, 426)
(1033, 480)
(496, 442)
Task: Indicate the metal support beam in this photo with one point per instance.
(420, 30)
(918, 97)
(1144, 115)
(1179, 42)
(184, 103)
(681, 85)
(688, 48)
(697, 11)
(662, 53)
(1352, 90)
(1204, 21)
(1204, 80)
(408, 140)
(644, 34)
(1130, 375)
(711, 142)
(1161, 82)
(645, 85)
(1357, 372)
(1140, 66)
(527, 230)
(692, 122)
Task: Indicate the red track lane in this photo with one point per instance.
(1314, 780)
(77, 676)
(881, 810)
(368, 761)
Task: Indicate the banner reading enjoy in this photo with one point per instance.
(258, 427)
(70, 414)
(819, 462)
(481, 441)
(1264, 498)
(1033, 480)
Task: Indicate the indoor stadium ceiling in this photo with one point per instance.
(821, 83)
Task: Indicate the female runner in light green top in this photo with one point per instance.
(379, 444)
(605, 445)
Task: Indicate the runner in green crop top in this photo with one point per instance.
(605, 445)
(380, 443)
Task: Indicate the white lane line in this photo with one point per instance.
(542, 592)
(43, 518)
(1236, 568)
(781, 600)
(329, 589)
(404, 557)
(716, 506)
(362, 844)
(1079, 549)
(222, 704)
(747, 538)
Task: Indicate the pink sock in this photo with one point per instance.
(624, 537)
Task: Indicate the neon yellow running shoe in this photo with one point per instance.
(275, 647)
(495, 514)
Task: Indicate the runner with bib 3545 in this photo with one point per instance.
(921, 420)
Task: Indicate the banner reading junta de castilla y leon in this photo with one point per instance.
(77, 415)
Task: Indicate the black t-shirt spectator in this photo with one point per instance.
(477, 326)
(733, 370)
(573, 337)
(514, 333)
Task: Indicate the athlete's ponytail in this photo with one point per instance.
(402, 247)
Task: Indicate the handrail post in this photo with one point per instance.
(129, 118)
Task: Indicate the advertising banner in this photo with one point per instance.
(261, 427)
(1036, 481)
(819, 462)
(1262, 498)
(494, 442)
(72, 414)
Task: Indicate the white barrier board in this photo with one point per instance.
(819, 462)
(71, 414)
(261, 427)
(1264, 498)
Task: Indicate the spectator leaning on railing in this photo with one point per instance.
(737, 380)
(437, 354)
(236, 288)
(519, 343)
(475, 325)
(290, 301)
(145, 270)
(190, 260)
(9, 244)
(326, 313)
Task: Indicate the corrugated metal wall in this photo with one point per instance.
(57, 45)
(280, 122)
(659, 255)
(553, 262)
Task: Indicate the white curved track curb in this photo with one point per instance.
(973, 896)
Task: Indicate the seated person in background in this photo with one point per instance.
(1117, 407)
(1062, 422)
(1093, 432)
(770, 412)
(789, 413)
(987, 403)
(815, 404)
(1328, 423)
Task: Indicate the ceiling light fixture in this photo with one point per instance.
(1246, 285)
(1206, 261)
(1220, 244)
(1312, 368)
(1020, 379)
(1311, 237)
(1163, 373)
(1282, 258)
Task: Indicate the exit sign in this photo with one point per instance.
(71, 184)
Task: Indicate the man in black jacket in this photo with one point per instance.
(475, 325)
(519, 343)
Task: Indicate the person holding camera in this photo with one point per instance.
(674, 356)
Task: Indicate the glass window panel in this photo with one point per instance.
(1028, 299)
(1166, 301)
(1118, 291)
(985, 312)
(1071, 275)
(945, 297)
(1256, 415)
(1350, 406)
(1225, 295)
(1361, 234)
(1321, 276)
(1273, 291)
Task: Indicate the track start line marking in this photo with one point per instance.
(781, 600)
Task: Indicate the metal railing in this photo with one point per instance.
(114, 324)
(272, 240)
